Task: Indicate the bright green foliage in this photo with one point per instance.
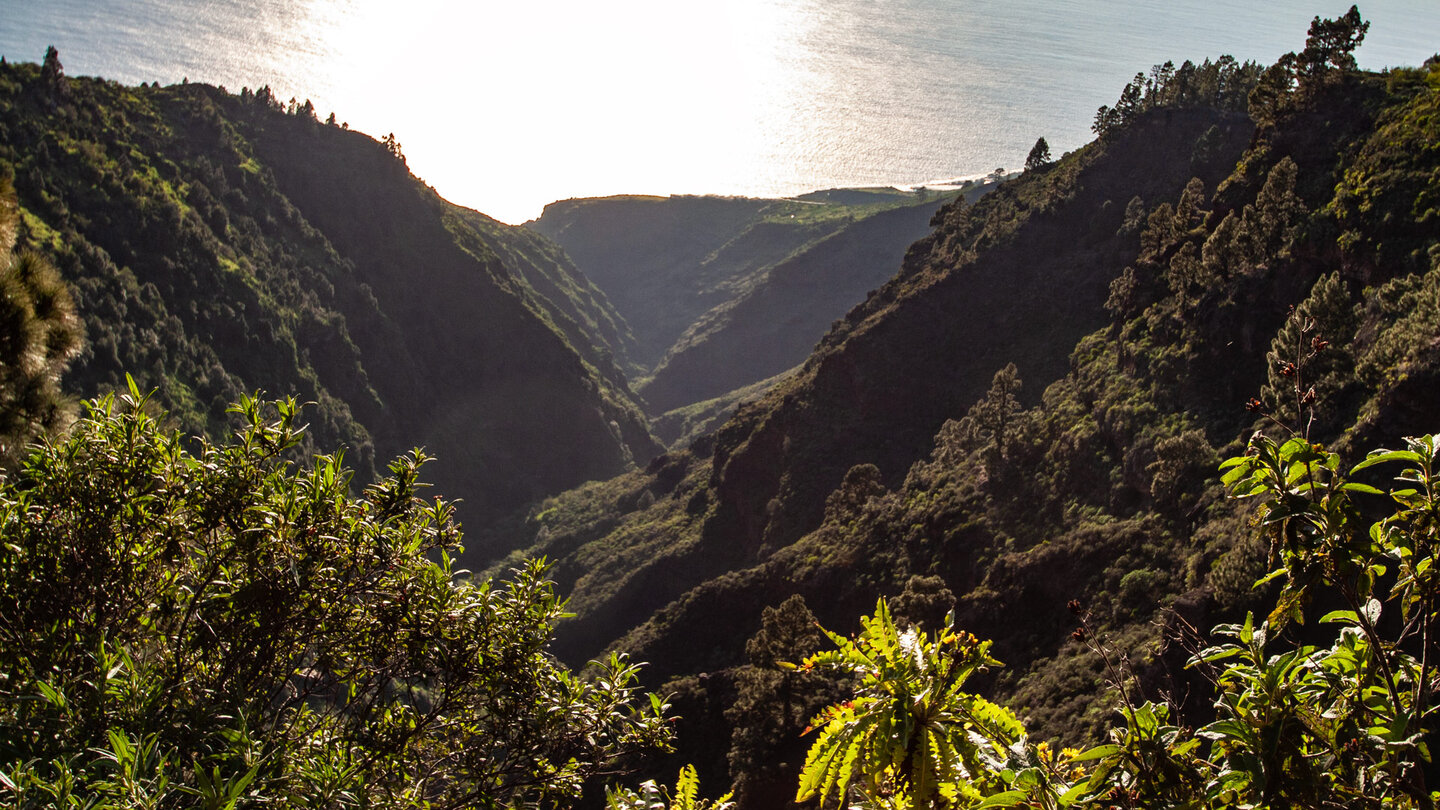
(911, 737)
(1295, 725)
(650, 796)
(1361, 708)
(1298, 725)
(221, 627)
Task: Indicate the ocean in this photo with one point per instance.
(505, 107)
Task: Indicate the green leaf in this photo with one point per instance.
(1185, 748)
(1340, 617)
(1097, 752)
(1357, 487)
(52, 695)
(1270, 577)
(1287, 608)
(1384, 457)
(1234, 475)
(1008, 798)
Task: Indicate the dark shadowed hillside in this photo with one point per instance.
(1000, 282)
(1031, 413)
(723, 293)
(769, 327)
(637, 249)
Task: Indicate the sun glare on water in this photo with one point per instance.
(509, 102)
(506, 106)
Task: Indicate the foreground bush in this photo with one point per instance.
(1296, 724)
(225, 627)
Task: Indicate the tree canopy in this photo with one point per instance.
(1039, 156)
(39, 334)
(187, 623)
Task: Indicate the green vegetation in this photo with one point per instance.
(1144, 287)
(1020, 427)
(911, 736)
(680, 427)
(726, 292)
(652, 797)
(39, 336)
(1223, 84)
(228, 627)
(1293, 723)
(216, 244)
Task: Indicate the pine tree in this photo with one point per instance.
(1331, 45)
(1310, 360)
(989, 419)
(52, 75)
(1039, 156)
(51, 70)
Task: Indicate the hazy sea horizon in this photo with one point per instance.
(504, 108)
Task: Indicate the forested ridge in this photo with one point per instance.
(1032, 412)
(1108, 424)
(728, 293)
(220, 243)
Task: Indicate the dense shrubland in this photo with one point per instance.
(1347, 721)
(195, 624)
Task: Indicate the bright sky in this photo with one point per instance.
(629, 90)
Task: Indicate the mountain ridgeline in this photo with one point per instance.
(726, 292)
(219, 243)
(1030, 414)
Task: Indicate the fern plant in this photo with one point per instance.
(912, 737)
(650, 796)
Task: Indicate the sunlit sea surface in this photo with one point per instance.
(505, 107)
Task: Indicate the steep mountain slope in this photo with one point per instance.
(635, 247)
(1144, 288)
(220, 243)
(725, 292)
(1004, 281)
(771, 326)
